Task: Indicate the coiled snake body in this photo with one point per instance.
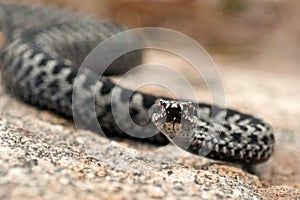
(43, 50)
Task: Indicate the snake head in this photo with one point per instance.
(170, 117)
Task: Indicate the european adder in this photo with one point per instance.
(41, 55)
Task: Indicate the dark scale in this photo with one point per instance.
(40, 78)
(57, 68)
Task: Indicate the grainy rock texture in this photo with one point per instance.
(42, 156)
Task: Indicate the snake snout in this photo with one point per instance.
(172, 116)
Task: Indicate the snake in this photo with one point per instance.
(43, 49)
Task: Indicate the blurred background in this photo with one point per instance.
(221, 26)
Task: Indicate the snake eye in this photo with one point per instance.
(160, 103)
(190, 107)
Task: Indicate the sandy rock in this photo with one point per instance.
(42, 156)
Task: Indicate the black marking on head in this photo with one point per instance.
(173, 113)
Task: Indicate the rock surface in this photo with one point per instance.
(42, 156)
